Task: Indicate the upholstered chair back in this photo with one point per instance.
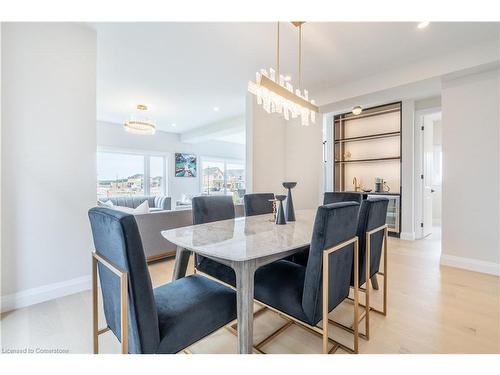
(372, 214)
(334, 223)
(258, 204)
(117, 238)
(212, 208)
(341, 196)
(207, 209)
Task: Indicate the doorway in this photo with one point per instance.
(430, 165)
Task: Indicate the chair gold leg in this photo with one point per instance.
(95, 323)
(124, 312)
(385, 270)
(367, 287)
(325, 302)
(356, 297)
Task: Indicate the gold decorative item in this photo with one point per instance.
(139, 123)
(355, 184)
(275, 209)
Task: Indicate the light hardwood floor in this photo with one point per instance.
(431, 309)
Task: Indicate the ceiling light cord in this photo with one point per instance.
(300, 56)
(278, 53)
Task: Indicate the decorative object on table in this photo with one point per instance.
(290, 211)
(185, 165)
(275, 204)
(277, 95)
(356, 186)
(139, 123)
(280, 216)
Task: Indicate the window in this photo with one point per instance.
(223, 177)
(121, 174)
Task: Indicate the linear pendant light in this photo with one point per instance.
(276, 94)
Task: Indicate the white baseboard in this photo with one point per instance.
(44, 293)
(482, 266)
(408, 236)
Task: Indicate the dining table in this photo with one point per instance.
(244, 244)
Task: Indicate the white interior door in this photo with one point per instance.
(428, 153)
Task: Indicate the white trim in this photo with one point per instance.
(408, 236)
(470, 264)
(44, 293)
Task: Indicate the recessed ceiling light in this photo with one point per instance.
(174, 125)
(216, 109)
(423, 25)
(357, 110)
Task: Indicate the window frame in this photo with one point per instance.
(225, 161)
(146, 156)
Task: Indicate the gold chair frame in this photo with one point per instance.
(123, 302)
(366, 290)
(97, 258)
(318, 331)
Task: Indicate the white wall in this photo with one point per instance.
(436, 185)
(112, 136)
(48, 159)
(471, 172)
(280, 150)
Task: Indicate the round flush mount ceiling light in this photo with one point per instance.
(423, 25)
(357, 110)
(216, 109)
(139, 123)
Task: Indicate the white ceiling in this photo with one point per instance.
(183, 70)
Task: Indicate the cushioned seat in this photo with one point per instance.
(191, 308)
(280, 285)
(297, 290)
(218, 270)
(162, 320)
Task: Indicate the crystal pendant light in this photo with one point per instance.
(276, 94)
(139, 123)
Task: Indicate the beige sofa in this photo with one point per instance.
(151, 225)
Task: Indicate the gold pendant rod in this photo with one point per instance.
(278, 53)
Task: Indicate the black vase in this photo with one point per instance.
(290, 211)
(280, 215)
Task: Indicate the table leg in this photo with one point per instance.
(244, 295)
(181, 262)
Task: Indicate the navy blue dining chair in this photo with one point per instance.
(166, 319)
(207, 209)
(306, 294)
(372, 232)
(258, 203)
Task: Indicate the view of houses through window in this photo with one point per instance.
(223, 177)
(121, 174)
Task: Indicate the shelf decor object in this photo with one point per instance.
(290, 211)
(280, 216)
(276, 94)
(139, 123)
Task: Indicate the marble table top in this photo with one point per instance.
(245, 238)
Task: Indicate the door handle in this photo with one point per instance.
(432, 190)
